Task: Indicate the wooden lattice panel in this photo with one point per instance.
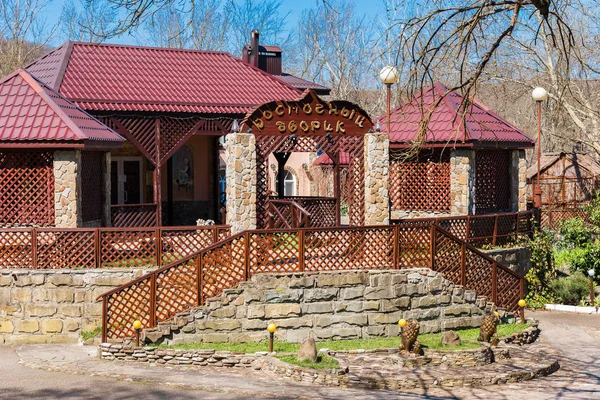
(448, 257)
(126, 306)
(413, 246)
(180, 243)
(331, 250)
(421, 184)
(26, 188)
(479, 274)
(176, 290)
(127, 248)
(506, 229)
(456, 226)
(481, 230)
(173, 131)
(142, 215)
(74, 249)
(92, 185)
(16, 248)
(322, 211)
(223, 267)
(492, 181)
(509, 289)
(274, 252)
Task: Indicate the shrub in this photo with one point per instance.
(590, 259)
(542, 270)
(572, 289)
(593, 209)
(574, 233)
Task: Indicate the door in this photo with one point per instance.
(126, 180)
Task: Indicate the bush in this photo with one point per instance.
(572, 289)
(593, 209)
(574, 233)
(542, 270)
(590, 259)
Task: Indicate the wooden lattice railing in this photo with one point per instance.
(479, 230)
(287, 214)
(322, 210)
(133, 215)
(553, 218)
(188, 282)
(57, 248)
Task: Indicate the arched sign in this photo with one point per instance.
(309, 116)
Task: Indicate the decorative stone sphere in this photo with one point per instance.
(271, 328)
(402, 323)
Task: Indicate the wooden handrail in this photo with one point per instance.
(244, 260)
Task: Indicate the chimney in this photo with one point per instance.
(254, 48)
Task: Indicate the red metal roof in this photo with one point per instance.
(483, 127)
(133, 78)
(324, 159)
(303, 84)
(30, 111)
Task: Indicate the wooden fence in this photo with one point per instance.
(485, 229)
(138, 215)
(552, 218)
(161, 294)
(81, 248)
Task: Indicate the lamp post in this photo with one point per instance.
(389, 76)
(591, 274)
(137, 325)
(271, 328)
(522, 303)
(539, 94)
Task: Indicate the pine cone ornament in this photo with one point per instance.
(487, 331)
(410, 332)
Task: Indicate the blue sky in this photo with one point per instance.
(372, 8)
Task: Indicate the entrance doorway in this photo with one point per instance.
(126, 180)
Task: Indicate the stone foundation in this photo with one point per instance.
(240, 156)
(53, 306)
(376, 167)
(326, 305)
(517, 259)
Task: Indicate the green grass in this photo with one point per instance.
(430, 340)
(323, 362)
(85, 335)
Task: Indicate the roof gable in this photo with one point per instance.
(30, 111)
(481, 126)
(134, 78)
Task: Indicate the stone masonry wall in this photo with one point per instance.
(462, 182)
(518, 259)
(377, 167)
(328, 305)
(67, 188)
(518, 179)
(39, 306)
(240, 157)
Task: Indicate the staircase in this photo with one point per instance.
(161, 294)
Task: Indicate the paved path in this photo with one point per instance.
(70, 371)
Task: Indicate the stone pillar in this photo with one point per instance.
(377, 167)
(462, 182)
(240, 159)
(67, 188)
(106, 213)
(518, 181)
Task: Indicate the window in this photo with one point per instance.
(289, 183)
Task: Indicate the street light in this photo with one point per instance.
(591, 274)
(271, 328)
(137, 325)
(389, 76)
(539, 94)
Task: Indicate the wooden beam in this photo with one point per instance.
(157, 177)
(184, 139)
(129, 136)
(281, 158)
(335, 157)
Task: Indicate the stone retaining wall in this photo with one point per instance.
(518, 259)
(326, 305)
(38, 306)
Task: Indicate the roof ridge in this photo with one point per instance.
(39, 88)
(141, 47)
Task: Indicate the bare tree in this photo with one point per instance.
(88, 20)
(202, 26)
(23, 34)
